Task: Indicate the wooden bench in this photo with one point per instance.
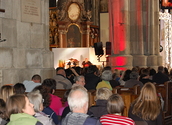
(128, 95)
(165, 91)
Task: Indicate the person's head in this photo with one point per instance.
(61, 71)
(134, 75)
(51, 84)
(148, 93)
(147, 104)
(92, 69)
(36, 99)
(115, 104)
(19, 103)
(80, 80)
(36, 78)
(19, 88)
(6, 91)
(65, 96)
(107, 68)
(126, 75)
(103, 93)
(152, 72)
(2, 109)
(45, 94)
(106, 75)
(160, 69)
(78, 99)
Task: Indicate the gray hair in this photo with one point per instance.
(134, 75)
(103, 93)
(36, 99)
(78, 97)
(106, 75)
(77, 78)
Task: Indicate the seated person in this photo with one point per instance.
(6, 91)
(35, 81)
(144, 77)
(20, 111)
(100, 108)
(114, 82)
(61, 81)
(46, 109)
(147, 106)
(79, 80)
(3, 117)
(55, 103)
(115, 107)
(133, 80)
(106, 77)
(19, 88)
(78, 103)
(36, 99)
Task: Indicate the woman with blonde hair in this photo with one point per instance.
(147, 106)
(6, 91)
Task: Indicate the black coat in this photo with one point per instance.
(99, 109)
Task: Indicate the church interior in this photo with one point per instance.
(37, 36)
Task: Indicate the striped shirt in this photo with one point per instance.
(111, 119)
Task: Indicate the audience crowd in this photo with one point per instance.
(35, 103)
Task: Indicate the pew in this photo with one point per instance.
(165, 91)
(128, 95)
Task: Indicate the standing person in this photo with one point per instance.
(78, 103)
(147, 106)
(61, 81)
(115, 107)
(20, 111)
(35, 81)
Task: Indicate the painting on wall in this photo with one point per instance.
(103, 6)
(73, 36)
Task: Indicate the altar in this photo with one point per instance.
(62, 55)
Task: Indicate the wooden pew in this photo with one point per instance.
(165, 91)
(60, 92)
(128, 95)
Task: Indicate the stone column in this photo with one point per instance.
(137, 33)
(119, 34)
(154, 59)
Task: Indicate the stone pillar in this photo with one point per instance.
(154, 59)
(26, 49)
(137, 33)
(119, 34)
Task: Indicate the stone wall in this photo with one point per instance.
(26, 49)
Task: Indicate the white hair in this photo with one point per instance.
(36, 99)
(78, 98)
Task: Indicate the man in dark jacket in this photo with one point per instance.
(160, 77)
